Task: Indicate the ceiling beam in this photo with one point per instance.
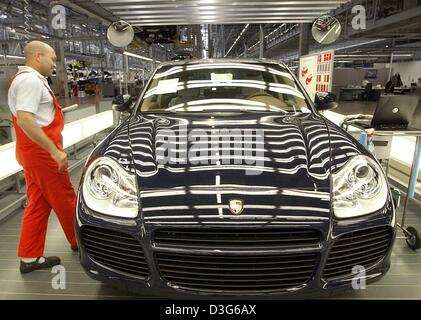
(216, 2)
(162, 23)
(181, 14)
(280, 10)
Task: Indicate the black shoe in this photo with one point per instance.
(48, 262)
(74, 248)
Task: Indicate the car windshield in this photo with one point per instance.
(223, 87)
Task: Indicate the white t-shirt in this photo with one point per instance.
(28, 93)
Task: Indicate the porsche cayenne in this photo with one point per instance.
(227, 180)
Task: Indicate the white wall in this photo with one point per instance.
(409, 71)
(343, 77)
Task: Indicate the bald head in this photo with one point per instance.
(35, 47)
(41, 57)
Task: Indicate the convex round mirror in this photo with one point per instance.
(326, 29)
(120, 34)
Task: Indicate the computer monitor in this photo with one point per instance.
(394, 111)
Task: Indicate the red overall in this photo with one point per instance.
(47, 188)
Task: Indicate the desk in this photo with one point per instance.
(349, 93)
(401, 90)
(411, 234)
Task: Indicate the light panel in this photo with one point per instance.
(73, 132)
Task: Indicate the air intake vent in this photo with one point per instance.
(115, 250)
(364, 248)
(236, 273)
(236, 239)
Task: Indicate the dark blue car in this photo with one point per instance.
(227, 181)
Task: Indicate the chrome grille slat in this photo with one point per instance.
(110, 258)
(112, 233)
(383, 236)
(235, 238)
(106, 244)
(346, 272)
(115, 264)
(115, 250)
(107, 240)
(246, 279)
(364, 247)
(371, 248)
(349, 267)
(232, 268)
(249, 274)
(360, 234)
(241, 273)
(352, 260)
(261, 287)
(237, 260)
(121, 254)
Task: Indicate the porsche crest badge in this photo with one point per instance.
(236, 206)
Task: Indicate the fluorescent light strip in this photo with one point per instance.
(139, 57)
(238, 38)
(360, 44)
(15, 57)
(268, 35)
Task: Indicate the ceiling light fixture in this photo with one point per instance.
(236, 40)
(15, 57)
(139, 57)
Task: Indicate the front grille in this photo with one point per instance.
(116, 250)
(364, 248)
(238, 273)
(236, 239)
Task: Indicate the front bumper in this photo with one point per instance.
(151, 278)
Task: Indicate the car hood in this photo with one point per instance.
(292, 173)
(240, 148)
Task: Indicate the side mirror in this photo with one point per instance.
(325, 101)
(123, 103)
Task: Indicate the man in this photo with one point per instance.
(38, 122)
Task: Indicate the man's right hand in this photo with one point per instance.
(60, 158)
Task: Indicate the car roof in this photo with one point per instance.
(220, 60)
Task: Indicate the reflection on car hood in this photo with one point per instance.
(293, 150)
(299, 151)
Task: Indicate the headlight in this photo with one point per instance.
(359, 188)
(109, 189)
